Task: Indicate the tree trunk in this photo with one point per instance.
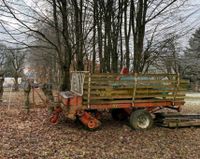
(79, 34)
(100, 46)
(99, 21)
(65, 79)
(121, 51)
(1, 86)
(16, 85)
(138, 26)
(107, 36)
(94, 37)
(67, 50)
(127, 31)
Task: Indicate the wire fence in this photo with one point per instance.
(17, 98)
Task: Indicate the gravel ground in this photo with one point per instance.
(27, 137)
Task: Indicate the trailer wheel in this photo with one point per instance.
(119, 114)
(141, 119)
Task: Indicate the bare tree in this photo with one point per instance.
(3, 51)
(15, 60)
(168, 59)
(69, 33)
(142, 13)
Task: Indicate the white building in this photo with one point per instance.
(9, 81)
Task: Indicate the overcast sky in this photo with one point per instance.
(188, 26)
(193, 22)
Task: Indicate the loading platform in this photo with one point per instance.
(175, 120)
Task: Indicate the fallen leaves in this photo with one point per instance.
(32, 137)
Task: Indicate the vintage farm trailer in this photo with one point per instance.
(126, 96)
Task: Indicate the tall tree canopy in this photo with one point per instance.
(94, 35)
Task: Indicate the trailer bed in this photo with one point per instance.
(134, 96)
(133, 90)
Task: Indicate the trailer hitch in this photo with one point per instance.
(54, 119)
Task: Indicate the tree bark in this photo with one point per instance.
(127, 32)
(16, 85)
(138, 27)
(67, 52)
(65, 79)
(79, 33)
(94, 37)
(100, 35)
(1, 86)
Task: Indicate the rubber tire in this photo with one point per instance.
(119, 114)
(135, 115)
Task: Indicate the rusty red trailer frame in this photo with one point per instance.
(96, 92)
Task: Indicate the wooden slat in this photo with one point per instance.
(108, 102)
(155, 91)
(98, 91)
(156, 100)
(130, 101)
(111, 80)
(129, 92)
(126, 92)
(100, 87)
(156, 96)
(129, 87)
(139, 75)
(141, 82)
(104, 88)
(111, 97)
(136, 96)
(105, 79)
